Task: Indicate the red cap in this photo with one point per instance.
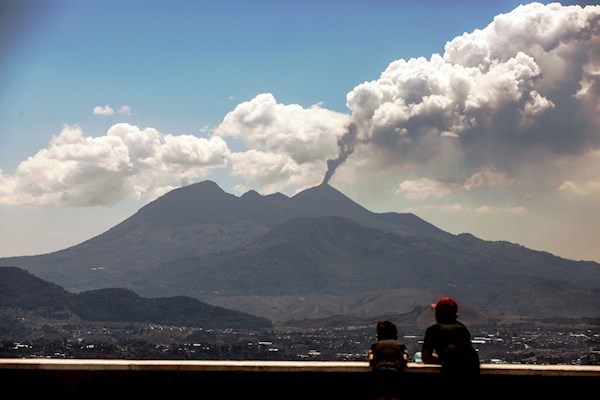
(448, 304)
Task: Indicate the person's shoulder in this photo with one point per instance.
(390, 341)
(452, 324)
(435, 327)
(461, 325)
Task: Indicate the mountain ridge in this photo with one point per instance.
(191, 221)
(202, 242)
(19, 288)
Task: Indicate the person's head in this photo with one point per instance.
(446, 310)
(386, 330)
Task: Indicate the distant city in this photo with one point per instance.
(150, 341)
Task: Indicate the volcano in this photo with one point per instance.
(315, 254)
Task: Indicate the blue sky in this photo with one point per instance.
(185, 67)
(105, 105)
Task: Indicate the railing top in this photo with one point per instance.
(274, 366)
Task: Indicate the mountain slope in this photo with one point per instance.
(334, 256)
(20, 289)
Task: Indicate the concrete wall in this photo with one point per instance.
(271, 380)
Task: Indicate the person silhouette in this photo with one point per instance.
(387, 358)
(448, 342)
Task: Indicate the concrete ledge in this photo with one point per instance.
(275, 366)
(270, 379)
(190, 366)
(591, 371)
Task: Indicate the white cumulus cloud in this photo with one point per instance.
(422, 189)
(125, 110)
(587, 188)
(107, 110)
(78, 170)
(289, 144)
(502, 102)
(103, 110)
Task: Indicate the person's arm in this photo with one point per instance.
(428, 354)
(429, 357)
(371, 356)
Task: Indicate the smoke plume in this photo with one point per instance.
(346, 144)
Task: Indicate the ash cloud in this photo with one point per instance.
(346, 145)
(518, 95)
